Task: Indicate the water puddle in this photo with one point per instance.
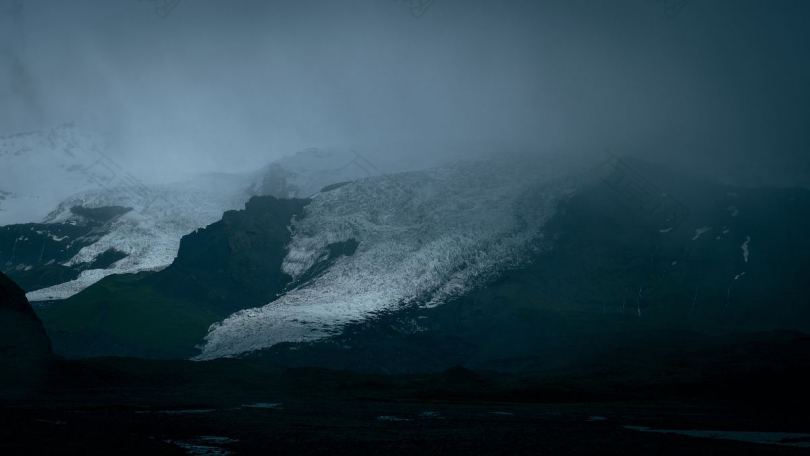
(392, 418)
(205, 445)
(178, 412)
(768, 438)
(264, 405)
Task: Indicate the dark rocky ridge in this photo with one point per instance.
(234, 263)
(25, 350)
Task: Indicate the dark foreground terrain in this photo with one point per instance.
(375, 427)
(646, 329)
(679, 393)
(131, 406)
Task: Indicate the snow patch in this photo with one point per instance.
(700, 231)
(744, 248)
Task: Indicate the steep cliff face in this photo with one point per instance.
(236, 261)
(25, 349)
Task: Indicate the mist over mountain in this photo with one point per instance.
(404, 227)
(716, 87)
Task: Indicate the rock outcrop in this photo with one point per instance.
(25, 349)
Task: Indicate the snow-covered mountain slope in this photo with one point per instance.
(150, 234)
(37, 170)
(423, 237)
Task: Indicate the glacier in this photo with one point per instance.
(424, 236)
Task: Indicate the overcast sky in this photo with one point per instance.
(228, 85)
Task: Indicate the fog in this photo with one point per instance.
(189, 86)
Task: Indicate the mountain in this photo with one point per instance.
(55, 252)
(506, 266)
(71, 215)
(349, 249)
(685, 261)
(25, 350)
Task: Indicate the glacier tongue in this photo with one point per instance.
(150, 233)
(423, 237)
